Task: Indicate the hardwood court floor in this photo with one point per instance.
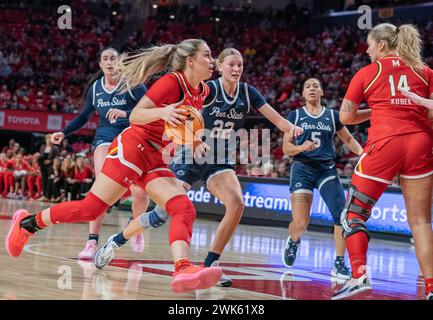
(48, 268)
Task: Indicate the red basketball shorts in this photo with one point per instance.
(131, 159)
(408, 155)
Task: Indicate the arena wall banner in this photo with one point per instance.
(270, 200)
(33, 121)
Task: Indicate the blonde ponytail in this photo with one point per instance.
(405, 40)
(409, 45)
(135, 68)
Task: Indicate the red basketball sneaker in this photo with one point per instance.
(195, 277)
(17, 237)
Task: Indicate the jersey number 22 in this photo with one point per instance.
(222, 130)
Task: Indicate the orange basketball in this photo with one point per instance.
(189, 131)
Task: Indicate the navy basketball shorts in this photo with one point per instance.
(194, 172)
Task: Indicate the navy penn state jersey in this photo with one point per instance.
(104, 100)
(224, 116)
(320, 129)
(99, 99)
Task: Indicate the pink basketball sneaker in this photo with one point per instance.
(89, 250)
(195, 277)
(137, 243)
(17, 237)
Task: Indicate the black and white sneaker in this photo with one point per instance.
(340, 270)
(353, 287)
(224, 281)
(288, 256)
(105, 254)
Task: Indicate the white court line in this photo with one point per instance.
(28, 248)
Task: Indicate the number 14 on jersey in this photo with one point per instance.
(402, 83)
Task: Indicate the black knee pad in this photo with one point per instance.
(354, 225)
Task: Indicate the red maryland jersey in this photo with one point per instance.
(392, 114)
(171, 88)
(21, 166)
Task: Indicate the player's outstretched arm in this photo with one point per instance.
(283, 124)
(428, 103)
(79, 121)
(349, 141)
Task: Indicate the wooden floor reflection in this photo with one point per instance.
(49, 270)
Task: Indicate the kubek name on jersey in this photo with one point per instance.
(401, 101)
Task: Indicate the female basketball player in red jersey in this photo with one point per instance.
(400, 141)
(135, 157)
(228, 97)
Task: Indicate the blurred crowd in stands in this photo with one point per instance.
(52, 174)
(43, 68)
(278, 165)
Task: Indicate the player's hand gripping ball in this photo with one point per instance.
(189, 131)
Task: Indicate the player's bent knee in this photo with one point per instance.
(353, 226)
(236, 206)
(88, 209)
(419, 220)
(336, 219)
(182, 211)
(301, 223)
(356, 212)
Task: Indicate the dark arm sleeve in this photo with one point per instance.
(84, 116)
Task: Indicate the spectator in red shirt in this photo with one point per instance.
(40, 102)
(16, 149)
(68, 169)
(5, 97)
(34, 178)
(3, 163)
(8, 177)
(20, 173)
(82, 179)
(10, 146)
(278, 150)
